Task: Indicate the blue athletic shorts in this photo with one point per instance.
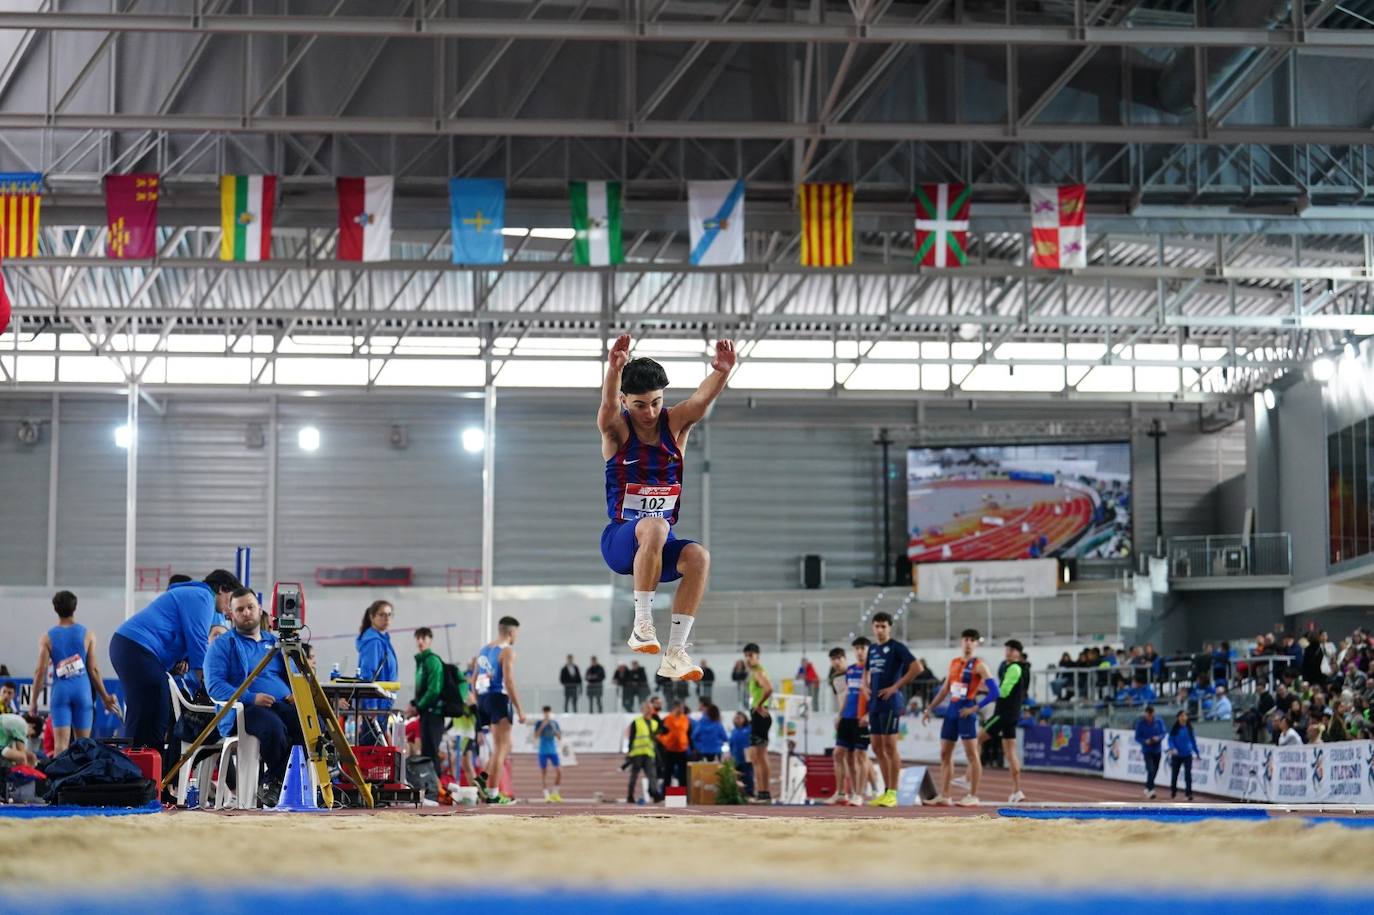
(885, 715)
(959, 727)
(618, 547)
(493, 708)
(548, 759)
(71, 705)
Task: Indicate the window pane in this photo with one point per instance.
(1333, 496)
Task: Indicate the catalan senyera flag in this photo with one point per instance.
(131, 215)
(245, 217)
(1059, 228)
(827, 222)
(942, 224)
(21, 195)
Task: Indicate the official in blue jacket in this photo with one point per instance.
(175, 627)
(1182, 749)
(269, 711)
(739, 752)
(1149, 733)
(708, 735)
(376, 662)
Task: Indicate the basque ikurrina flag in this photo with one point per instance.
(1059, 229)
(245, 217)
(596, 222)
(942, 224)
(365, 218)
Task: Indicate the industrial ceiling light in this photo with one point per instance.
(124, 436)
(1270, 401)
(309, 439)
(1323, 369)
(474, 440)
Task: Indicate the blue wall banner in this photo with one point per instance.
(1062, 746)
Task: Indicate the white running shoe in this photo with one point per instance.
(677, 665)
(960, 781)
(643, 638)
(968, 800)
(1016, 797)
(938, 801)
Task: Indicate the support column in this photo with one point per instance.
(54, 444)
(488, 508)
(273, 428)
(131, 501)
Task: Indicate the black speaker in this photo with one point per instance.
(813, 571)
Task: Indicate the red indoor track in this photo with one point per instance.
(1006, 541)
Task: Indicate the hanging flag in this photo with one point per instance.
(942, 224)
(596, 222)
(21, 194)
(245, 217)
(131, 216)
(1059, 231)
(478, 209)
(365, 218)
(4, 306)
(827, 212)
(715, 210)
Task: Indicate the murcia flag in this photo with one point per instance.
(21, 195)
(245, 217)
(596, 222)
(942, 224)
(715, 211)
(131, 215)
(827, 217)
(1059, 232)
(365, 218)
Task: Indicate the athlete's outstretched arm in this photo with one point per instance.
(608, 416)
(693, 410)
(935, 703)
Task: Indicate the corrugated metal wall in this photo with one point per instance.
(789, 476)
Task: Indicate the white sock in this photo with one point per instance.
(682, 627)
(644, 606)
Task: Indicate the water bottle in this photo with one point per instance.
(334, 672)
(192, 794)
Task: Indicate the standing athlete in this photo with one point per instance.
(851, 743)
(642, 442)
(67, 650)
(760, 722)
(1013, 676)
(889, 667)
(548, 733)
(496, 695)
(966, 674)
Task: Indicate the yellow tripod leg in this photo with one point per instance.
(328, 722)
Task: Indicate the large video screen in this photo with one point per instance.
(1019, 502)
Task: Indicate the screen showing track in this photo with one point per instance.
(1019, 502)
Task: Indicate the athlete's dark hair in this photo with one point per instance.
(882, 616)
(221, 581)
(371, 610)
(241, 592)
(548, 708)
(837, 652)
(424, 632)
(860, 642)
(64, 602)
(970, 634)
(1014, 643)
(751, 648)
(640, 376)
(507, 623)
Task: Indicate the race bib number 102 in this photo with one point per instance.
(645, 501)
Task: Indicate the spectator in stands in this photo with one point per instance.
(1149, 733)
(739, 752)
(8, 704)
(595, 680)
(429, 685)
(925, 685)
(1221, 663)
(1221, 707)
(1287, 735)
(377, 662)
(1264, 701)
(621, 679)
(707, 685)
(639, 681)
(1182, 749)
(1138, 693)
(1312, 660)
(14, 735)
(708, 735)
(1333, 727)
(1185, 700)
(571, 678)
(1063, 679)
(806, 672)
(740, 675)
(676, 740)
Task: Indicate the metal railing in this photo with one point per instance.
(1227, 556)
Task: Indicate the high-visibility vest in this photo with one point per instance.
(642, 742)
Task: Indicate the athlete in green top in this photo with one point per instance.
(1013, 679)
(760, 721)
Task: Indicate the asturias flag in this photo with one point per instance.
(245, 217)
(131, 216)
(478, 208)
(365, 218)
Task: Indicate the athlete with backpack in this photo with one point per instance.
(429, 688)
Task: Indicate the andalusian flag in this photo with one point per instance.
(942, 224)
(245, 217)
(596, 220)
(827, 212)
(21, 194)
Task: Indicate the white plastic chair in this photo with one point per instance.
(203, 764)
(244, 748)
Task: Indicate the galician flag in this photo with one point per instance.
(942, 224)
(478, 210)
(715, 210)
(596, 220)
(1059, 229)
(365, 218)
(245, 217)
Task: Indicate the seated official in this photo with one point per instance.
(268, 708)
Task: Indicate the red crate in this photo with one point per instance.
(820, 776)
(379, 763)
(149, 761)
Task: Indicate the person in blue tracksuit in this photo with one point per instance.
(175, 627)
(1182, 749)
(1149, 733)
(67, 653)
(376, 662)
(269, 711)
(739, 752)
(708, 735)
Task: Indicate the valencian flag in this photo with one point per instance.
(21, 194)
(131, 216)
(942, 224)
(827, 217)
(245, 217)
(596, 223)
(715, 211)
(1059, 230)
(478, 211)
(365, 218)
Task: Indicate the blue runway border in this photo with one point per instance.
(39, 812)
